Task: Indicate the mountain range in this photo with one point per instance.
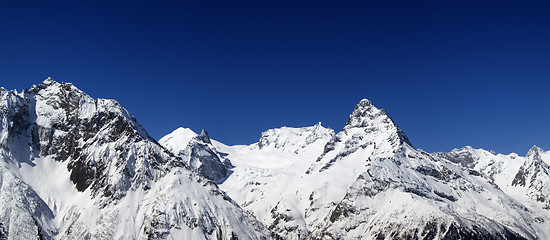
(74, 167)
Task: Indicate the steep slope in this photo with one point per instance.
(406, 193)
(177, 140)
(265, 173)
(197, 152)
(526, 179)
(269, 178)
(85, 168)
(305, 181)
(533, 177)
(414, 195)
(368, 181)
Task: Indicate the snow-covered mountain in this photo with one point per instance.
(74, 167)
(368, 181)
(197, 152)
(524, 178)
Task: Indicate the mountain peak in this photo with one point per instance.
(364, 102)
(52, 86)
(465, 156)
(363, 114)
(366, 116)
(49, 81)
(184, 132)
(70, 164)
(178, 140)
(534, 152)
(204, 136)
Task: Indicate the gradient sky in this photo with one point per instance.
(450, 73)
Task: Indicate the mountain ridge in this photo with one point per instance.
(88, 170)
(374, 162)
(74, 167)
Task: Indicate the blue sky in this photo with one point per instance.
(450, 73)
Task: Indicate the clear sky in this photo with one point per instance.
(450, 73)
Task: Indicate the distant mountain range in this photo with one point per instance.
(74, 167)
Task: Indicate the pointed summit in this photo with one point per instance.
(318, 127)
(366, 116)
(363, 113)
(364, 102)
(534, 152)
(204, 136)
(100, 158)
(49, 81)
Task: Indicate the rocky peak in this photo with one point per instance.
(318, 126)
(62, 96)
(3, 93)
(197, 152)
(48, 81)
(534, 153)
(363, 113)
(464, 156)
(375, 121)
(534, 172)
(59, 120)
(202, 157)
(204, 136)
(364, 103)
(68, 140)
(319, 129)
(369, 130)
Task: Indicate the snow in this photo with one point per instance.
(282, 175)
(366, 181)
(50, 179)
(285, 169)
(266, 177)
(137, 190)
(177, 140)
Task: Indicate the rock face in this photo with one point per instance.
(72, 167)
(368, 181)
(534, 177)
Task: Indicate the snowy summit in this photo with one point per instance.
(75, 167)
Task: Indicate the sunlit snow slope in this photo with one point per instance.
(368, 181)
